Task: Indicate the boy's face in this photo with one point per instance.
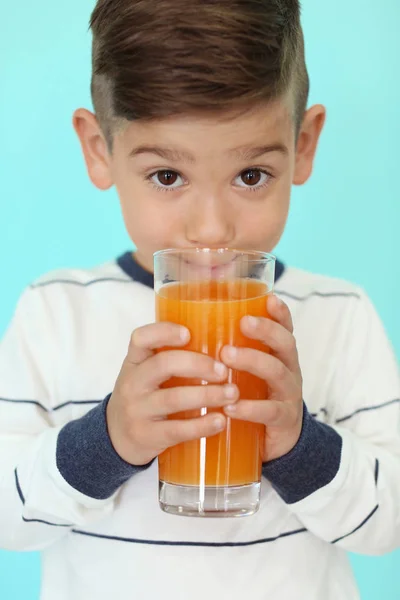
(202, 181)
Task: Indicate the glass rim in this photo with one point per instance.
(256, 255)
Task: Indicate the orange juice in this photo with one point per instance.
(212, 311)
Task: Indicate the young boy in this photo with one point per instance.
(201, 124)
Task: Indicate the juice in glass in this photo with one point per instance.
(214, 476)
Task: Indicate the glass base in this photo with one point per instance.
(210, 501)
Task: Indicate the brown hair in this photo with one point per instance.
(157, 58)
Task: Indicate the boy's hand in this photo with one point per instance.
(138, 409)
(282, 412)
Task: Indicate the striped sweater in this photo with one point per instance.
(65, 491)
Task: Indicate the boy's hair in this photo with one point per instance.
(157, 58)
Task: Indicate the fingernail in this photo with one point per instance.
(252, 322)
(278, 300)
(220, 370)
(230, 392)
(184, 334)
(231, 352)
(230, 409)
(219, 423)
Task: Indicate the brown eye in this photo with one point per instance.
(167, 178)
(251, 177)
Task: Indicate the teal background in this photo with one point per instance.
(344, 222)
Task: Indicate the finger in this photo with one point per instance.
(173, 432)
(280, 380)
(277, 339)
(179, 363)
(268, 412)
(174, 400)
(279, 312)
(152, 337)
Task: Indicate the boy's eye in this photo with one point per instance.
(252, 178)
(167, 179)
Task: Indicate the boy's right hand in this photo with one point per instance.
(137, 413)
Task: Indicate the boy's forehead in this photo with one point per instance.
(270, 123)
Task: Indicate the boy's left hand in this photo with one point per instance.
(282, 411)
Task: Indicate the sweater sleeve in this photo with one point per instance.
(53, 475)
(342, 479)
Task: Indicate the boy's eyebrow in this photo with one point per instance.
(252, 152)
(171, 154)
(241, 152)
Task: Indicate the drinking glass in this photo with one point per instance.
(209, 291)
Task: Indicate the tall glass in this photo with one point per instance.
(209, 291)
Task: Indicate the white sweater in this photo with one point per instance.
(65, 491)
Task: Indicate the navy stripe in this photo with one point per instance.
(22, 497)
(358, 527)
(79, 283)
(44, 522)
(366, 409)
(50, 410)
(76, 403)
(376, 471)
(20, 494)
(33, 402)
(319, 295)
(189, 544)
(321, 410)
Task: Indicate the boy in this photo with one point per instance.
(201, 124)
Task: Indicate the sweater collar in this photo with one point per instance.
(132, 268)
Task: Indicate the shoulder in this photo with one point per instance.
(66, 296)
(301, 285)
(76, 288)
(330, 311)
(329, 305)
(106, 273)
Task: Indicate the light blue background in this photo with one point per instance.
(344, 222)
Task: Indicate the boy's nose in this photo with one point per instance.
(209, 224)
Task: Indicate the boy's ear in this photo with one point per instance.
(307, 143)
(94, 148)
